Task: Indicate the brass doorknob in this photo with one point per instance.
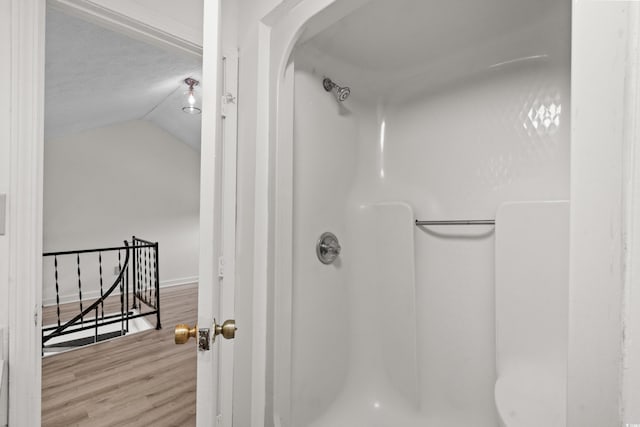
(182, 333)
(227, 329)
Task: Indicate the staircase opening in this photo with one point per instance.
(107, 310)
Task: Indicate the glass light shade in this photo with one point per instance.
(191, 102)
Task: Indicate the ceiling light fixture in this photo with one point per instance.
(191, 104)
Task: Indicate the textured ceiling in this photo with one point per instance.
(96, 77)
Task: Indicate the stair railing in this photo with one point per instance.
(143, 272)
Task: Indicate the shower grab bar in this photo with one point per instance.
(458, 222)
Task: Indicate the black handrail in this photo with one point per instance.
(137, 239)
(87, 251)
(61, 328)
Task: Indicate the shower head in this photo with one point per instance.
(341, 93)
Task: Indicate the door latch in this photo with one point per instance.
(204, 339)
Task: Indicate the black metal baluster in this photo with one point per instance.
(121, 295)
(126, 290)
(55, 264)
(133, 274)
(143, 274)
(154, 266)
(140, 283)
(96, 335)
(147, 275)
(157, 287)
(151, 276)
(101, 288)
(79, 288)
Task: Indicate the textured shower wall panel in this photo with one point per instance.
(458, 154)
(502, 135)
(324, 161)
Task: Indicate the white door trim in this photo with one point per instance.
(24, 223)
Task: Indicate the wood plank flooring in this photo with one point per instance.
(143, 379)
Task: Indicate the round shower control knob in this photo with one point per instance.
(328, 248)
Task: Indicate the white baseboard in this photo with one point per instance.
(68, 298)
(178, 282)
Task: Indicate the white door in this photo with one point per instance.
(216, 289)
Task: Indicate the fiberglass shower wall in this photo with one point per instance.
(484, 124)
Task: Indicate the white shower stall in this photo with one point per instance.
(456, 112)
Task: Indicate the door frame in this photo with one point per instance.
(598, 237)
(604, 177)
(631, 381)
(25, 199)
(24, 215)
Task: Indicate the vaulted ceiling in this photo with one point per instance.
(96, 77)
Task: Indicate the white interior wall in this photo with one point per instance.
(104, 185)
(5, 105)
(453, 154)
